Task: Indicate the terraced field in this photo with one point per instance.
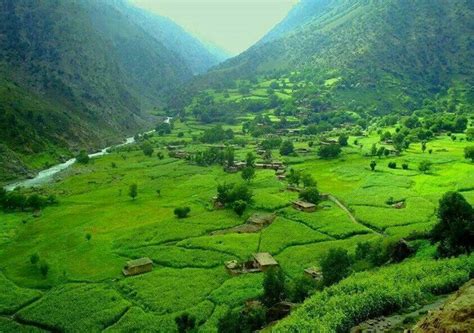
(84, 288)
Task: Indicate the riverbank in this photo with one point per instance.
(47, 175)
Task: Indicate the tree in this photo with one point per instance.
(373, 164)
(239, 207)
(286, 148)
(250, 160)
(248, 174)
(329, 151)
(470, 134)
(380, 152)
(35, 202)
(182, 212)
(147, 149)
(310, 194)
(308, 180)
(294, 177)
(133, 191)
(423, 146)
(185, 323)
(335, 266)
(301, 288)
(454, 231)
(82, 157)
(424, 166)
(273, 286)
(373, 150)
(469, 153)
(229, 156)
(343, 140)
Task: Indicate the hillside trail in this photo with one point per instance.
(349, 213)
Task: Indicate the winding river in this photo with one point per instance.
(47, 175)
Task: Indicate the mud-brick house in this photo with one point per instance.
(138, 266)
(264, 261)
(304, 206)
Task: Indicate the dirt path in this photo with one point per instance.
(349, 213)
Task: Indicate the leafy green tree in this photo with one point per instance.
(425, 166)
(147, 149)
(230, 323)
(335, 265)
(250, 160)
(273, 286)
(310, 194)
(329, 151)
(248, 174)
(308, 180)
(373, 150)
(469, 153)
(82, 157)
(286, 148)
(182, 212)
(380, 152)
(301, 288)
(185, 323)
(239, 207)
(343, 140)
(470, 134)
(294, 177)
(454, 232)
(133, 191)
(35, 202)
(373, 164)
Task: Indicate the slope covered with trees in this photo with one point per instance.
(382, 55)
(81, 73)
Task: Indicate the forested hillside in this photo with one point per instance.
(380, 55)
(80, 74)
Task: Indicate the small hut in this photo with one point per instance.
(261, 220)
(264, 261)
(313, 273)
(138, 266)
(304, 206)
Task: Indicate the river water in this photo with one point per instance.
(47, 175)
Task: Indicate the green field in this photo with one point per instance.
(188, 274)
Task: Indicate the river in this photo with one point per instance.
(47, 175)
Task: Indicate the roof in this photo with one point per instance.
(265, 259)
(139, 262)
(304, 204)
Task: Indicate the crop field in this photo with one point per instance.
(96, 228)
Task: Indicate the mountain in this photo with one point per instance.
(383, 54)
(82, 74)
(197, 55)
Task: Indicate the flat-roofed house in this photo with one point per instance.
(304, 206)
(138, 266)
(264, 261)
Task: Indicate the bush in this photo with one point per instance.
(133, 191)
(310, 194)
(34, 258)
(273, 286)
(392, 165)
(373, 164)
(469, 153)
(239, 207)
(343, 139)
(425, 166)
(147, 149)
(182, 212)
(44, 268)
(82, 157)
(454, 231)
(329, 151)
(405, 166)
(286, 148)
(335, 266)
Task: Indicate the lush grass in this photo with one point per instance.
(188, 272)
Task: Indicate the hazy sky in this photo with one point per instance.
(233, 25)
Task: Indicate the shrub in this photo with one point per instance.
(373, 164)
(44, 268)
(469, 153)
(133, 191)
(34, 258)
(342, 140)
(182, 212)
(82, 157)
(310, 194)
(454, 231)
(248, 174)
(425, 166)
(329, 151)
(273, 286)
(335, 265)
(286, 148)
(392, 165)
(239, 207)
(147, 149)
(405, 166)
